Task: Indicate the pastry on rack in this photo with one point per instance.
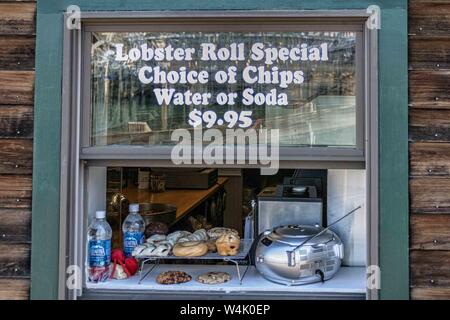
(156, 238)
(175, 236)
(228, 244)
(161, 249)
(157, 245)
(190, 249)
(217, 232)
(199, 235)
(211, 243)
(144, 249)
(173, 277)
(214, 277)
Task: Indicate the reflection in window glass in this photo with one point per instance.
(319, 112)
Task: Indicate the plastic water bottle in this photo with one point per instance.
(133, 230)
(99, 248)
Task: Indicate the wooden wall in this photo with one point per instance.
(429, 103)
(429, 137)
(17, 47)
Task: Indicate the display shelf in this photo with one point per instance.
(242, 256)
(244, 249)
(348, 280)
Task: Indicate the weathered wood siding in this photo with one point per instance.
(429, 95)
(17, 39)
(429, 136)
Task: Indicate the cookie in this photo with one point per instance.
(173, 277)
(214, 278)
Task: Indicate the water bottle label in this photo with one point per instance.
(99, 253)
(131, 240)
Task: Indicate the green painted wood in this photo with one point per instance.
(135, 5)
(46, 158)
(393, 160)
(393, 155)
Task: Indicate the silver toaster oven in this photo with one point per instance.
(299, 200)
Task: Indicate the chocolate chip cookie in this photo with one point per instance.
(173, 277)
(214, 277)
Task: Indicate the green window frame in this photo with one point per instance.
(47, 280)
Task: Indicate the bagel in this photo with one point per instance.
(190, 249)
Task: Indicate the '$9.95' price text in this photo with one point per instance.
(230, 118)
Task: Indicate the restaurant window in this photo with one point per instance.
(302, 83)
(305, 81)
(142, 80)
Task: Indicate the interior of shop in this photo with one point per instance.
(272, 220)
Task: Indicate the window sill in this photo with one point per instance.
(348, 282)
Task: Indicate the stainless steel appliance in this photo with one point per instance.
(300, 254)
(301, 199)
(279, 258)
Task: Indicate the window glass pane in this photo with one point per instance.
(303, 85)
